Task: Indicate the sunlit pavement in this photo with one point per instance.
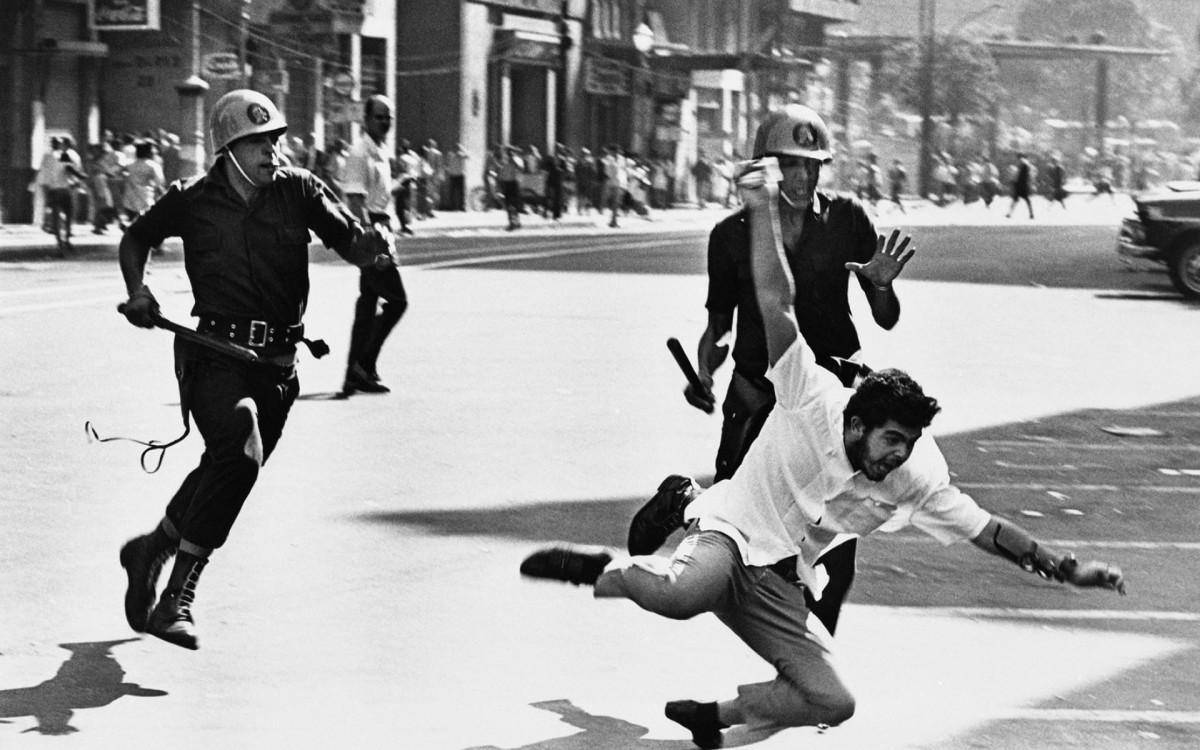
(369, 597)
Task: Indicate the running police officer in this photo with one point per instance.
(245, 230)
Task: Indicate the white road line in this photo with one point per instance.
(1021, 444)
(1094, 715)
(532, 255)
(1038, 487)
(1070, 543)
(1049, 614)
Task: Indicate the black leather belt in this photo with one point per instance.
(253, 333)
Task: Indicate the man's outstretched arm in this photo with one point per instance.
(1005, 539)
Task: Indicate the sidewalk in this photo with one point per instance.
(23, 242)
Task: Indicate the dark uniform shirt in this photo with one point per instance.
(249, 261)
(838, 233)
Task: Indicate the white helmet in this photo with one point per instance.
(796, 131)
(240, 113)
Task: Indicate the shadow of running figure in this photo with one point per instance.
(91, 678)
(610, 732)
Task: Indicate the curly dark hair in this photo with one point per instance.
(891, 394)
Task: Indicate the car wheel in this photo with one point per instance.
(1185, 271)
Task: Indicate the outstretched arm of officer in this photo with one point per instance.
(758, 186)
(141, 309)
(1005, 539)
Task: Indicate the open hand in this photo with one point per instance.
(891, 255)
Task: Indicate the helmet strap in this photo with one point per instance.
(242, 172)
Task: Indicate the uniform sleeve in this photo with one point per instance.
(722, 272)
(329, 218)
(161, 220)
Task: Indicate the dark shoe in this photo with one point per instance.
(566, 563)
(172, 619)
(700, 718)
(358, 379)
(143, 558)
(655, 521)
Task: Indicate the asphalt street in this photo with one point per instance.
(369, 595)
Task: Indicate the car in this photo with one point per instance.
(1166, 229)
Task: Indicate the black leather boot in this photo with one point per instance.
(143, 558)
(172, 619)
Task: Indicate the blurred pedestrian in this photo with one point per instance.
(509, 176)
(144, 182)
(897, 181)
(368, 186)
(1057, 175)
(616, 181)
(63, 183)
(1022, 179)
(456, 177)
(406, 171)
(585, 181)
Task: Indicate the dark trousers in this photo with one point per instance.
(62, 209)
(745, 410)
(403, 198)
(371, 326)
(239, 409)
(458, 193)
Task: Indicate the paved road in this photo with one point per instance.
(368, 597)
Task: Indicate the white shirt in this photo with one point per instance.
(369, 173)
(795, 491)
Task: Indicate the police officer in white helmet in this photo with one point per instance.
(245, 227)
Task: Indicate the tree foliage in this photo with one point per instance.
(965, 77)
(1139, 88)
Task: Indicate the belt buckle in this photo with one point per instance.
(258, 333)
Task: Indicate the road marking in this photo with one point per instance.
(1019, 444)
(1049, 614)
(535, 254)
(1071, 543)
(1095, 715)
(1039, 487)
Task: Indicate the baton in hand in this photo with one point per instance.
(187, 334)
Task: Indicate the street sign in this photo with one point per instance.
(221, 65)
(343, 83)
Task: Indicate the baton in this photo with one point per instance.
(187, 334)
(685, 364)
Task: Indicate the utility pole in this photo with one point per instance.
(928, 32)
(192, 91)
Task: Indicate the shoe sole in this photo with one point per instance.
(131, 592)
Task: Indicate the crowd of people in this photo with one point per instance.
(1021, 176)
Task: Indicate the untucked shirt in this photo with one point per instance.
(369, 173)
(250, 261)
(795, 491)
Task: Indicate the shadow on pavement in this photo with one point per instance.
(90, 678)
(598, 521)
(608, 731)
